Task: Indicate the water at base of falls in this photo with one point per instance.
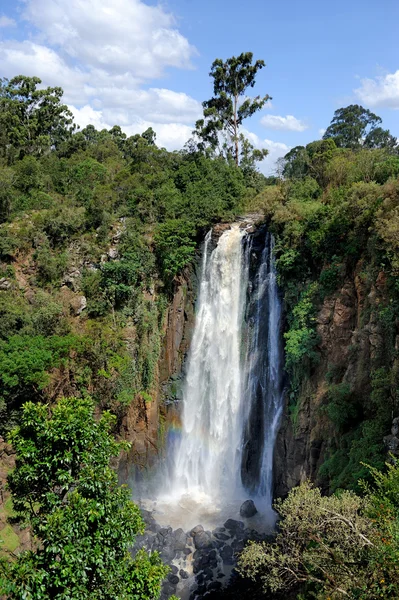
(232, 396)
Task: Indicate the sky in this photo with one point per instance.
(141, 63)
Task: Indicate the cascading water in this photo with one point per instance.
(263, 380)
(208, 458)
(232, 396)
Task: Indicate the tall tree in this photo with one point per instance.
(350, 126)
(32, 119)
(225, 112)
(63, 487)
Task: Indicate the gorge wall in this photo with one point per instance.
(356, 360)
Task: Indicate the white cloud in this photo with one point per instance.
(321, 132)
(381, 91)
(276, 151)
(119, 37)
(6, 21)
(288, 123)
(101, 54)
(172, 136)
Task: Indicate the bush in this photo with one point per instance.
(332, 546)
(175, 246)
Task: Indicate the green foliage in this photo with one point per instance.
(332, 546)
(175, 245)
(64, 488)
(25, 365)
(353, 124)
(225, 112)
(301, 339)
(33, 120)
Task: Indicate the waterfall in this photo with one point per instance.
(263, 372)
(209, 455)
(232, 397)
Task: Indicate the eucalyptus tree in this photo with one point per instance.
(225, 112)
(32, 119)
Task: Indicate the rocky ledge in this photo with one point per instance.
(202, 562)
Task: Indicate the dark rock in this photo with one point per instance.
(227, 555)
(168, 589)
(180, 539)
(187, 551)
(218, 530)
(214, 586)
(173, 579)
(174, 569)
(202, 540)
(221, 536)
(196, 530)
(248, 509)
(233, 525)
(183, 574)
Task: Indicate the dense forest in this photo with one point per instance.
(96, 229)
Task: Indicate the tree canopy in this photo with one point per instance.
(64, 488)
(225, 112)
(32, 119)
(355, 126)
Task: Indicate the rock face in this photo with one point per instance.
(141, 425)
(392, 441)
(350, 342)
(248, 509)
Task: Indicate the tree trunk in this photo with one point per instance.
(235, 130)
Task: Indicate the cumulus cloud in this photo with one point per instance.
(321, 132)
(122, 36)
(103, 54)
(276, 150)
(382, 91)
(6, 21)
(288, 123)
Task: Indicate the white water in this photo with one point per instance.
(222, 383)
(209, 454)
(264, 369)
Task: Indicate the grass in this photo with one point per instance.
(8, 539)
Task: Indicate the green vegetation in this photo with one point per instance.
(226, 111)
(334, 216)
(331, 547)
(84, 523)
(95, 225)
(96, 229)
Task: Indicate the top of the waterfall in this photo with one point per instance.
(250, 220)
(247, 222)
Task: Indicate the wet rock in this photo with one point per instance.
(202, 540)
(174, 570)
(173, 579)
(233, 525)
(183, 574)
(227, 555)
(214, 586)
(196, 530)
(221, 536)
(180, 540)
(248, 509)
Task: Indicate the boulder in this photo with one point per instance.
(202, 540)
(248, 509)
(233, 525)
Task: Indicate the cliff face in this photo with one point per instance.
(145, 422)
(353, 346)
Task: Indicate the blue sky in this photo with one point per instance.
(138, 63)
